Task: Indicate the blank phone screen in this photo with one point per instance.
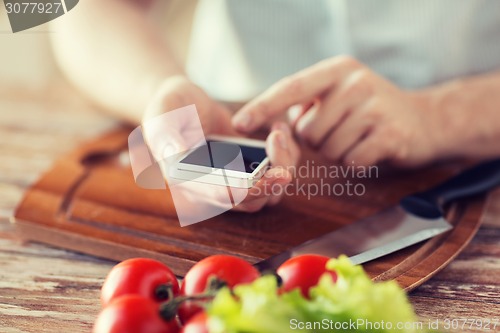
(219, 154)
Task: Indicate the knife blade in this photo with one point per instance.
(418, 217)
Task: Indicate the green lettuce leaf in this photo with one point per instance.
(354, 303)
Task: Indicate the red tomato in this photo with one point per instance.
(303, 272)
(228, 269)
(197, 324)
(188, 310)
(133, 314)
(139, 276)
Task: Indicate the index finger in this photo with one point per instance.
(299, 88)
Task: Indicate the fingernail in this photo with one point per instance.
(169, 150)
(243, 121)
(294, 112)
(282, 181)
(284, 127)
(302, 126)
(282, 141)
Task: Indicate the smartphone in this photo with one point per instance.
(224, 160)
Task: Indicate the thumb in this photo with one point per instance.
(163, 139)
(280, 146)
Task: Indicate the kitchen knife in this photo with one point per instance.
(418, 217)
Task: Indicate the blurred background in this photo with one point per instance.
(26, 72)
(42, 116)
(25, 56)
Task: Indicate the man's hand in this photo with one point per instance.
(167, 138)
(284, 155)
(176, 92)
(350, 114)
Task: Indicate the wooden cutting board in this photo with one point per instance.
(88, 202)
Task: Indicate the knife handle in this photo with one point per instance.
(474, 181)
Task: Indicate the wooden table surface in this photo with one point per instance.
(43, 289)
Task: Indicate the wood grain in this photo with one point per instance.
(96, 208)
(48, 290)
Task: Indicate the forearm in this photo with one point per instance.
(113, 54)
(466, 113)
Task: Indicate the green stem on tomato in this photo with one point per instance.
(164, 292)
(279, 279)
(214, 284)
(169, 309)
